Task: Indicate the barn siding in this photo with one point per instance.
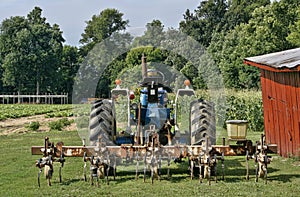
(281, 101)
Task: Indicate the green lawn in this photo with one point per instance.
(18, 175)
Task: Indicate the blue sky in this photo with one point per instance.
(71, 15)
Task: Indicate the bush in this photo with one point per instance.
(59, 124)
(33, 126)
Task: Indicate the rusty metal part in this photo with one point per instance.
(176, 150)
(151, 154)
(261, 160)
(46, 162)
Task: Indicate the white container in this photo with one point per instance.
(237, 129)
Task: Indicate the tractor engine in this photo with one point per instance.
(153, 114)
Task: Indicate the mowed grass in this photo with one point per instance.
(18, 175)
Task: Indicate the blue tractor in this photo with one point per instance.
(122, 120)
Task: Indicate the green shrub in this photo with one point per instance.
(60, 124)
(33, 126)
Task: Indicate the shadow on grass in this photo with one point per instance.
(176, 175)
(285, 178)
(234, 171)
(70, 181)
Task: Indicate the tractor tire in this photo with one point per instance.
(203, 122)
(101, 122)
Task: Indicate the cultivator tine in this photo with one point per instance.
(152, 175)
(115, 166)
(127, 157)
(39, 174)
(59, 172)
(159, 167)
(200, 169)
(169, 163)
(256, 169)
(137, 166)
(192, 169)
(145, 166)
(208, 173)
(84, 166)
(256, 163)
(247, 165)
(49, 170)
(97, 179)
(215, 168)
(107, 170)
(152, 168)
(223, 166)
(266, 168)
(62, 161)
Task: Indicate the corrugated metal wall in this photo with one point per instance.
(281, 102)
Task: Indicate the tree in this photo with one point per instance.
(31, 50)
(12, 63)
(240, 11)
(208, 17)
(294, 37)
(68, 69)
(101, 27)
(265, 32)
(153, 35)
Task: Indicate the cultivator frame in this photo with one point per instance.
(103, 159)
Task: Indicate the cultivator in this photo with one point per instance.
(103, 160)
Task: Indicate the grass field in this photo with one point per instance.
(18, 175)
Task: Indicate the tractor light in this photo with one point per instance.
(131, 96)
(118, 81)
(187, 82)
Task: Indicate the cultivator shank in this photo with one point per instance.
(50, 154)
(261, 160)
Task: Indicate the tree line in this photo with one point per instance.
(34, 59)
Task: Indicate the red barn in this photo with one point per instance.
(280, 83)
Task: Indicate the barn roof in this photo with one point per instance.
(284, 61)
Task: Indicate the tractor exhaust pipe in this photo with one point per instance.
(144, 66)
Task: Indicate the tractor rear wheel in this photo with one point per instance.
(101, 122)
(203, 122)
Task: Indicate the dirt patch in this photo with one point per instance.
(18, 125)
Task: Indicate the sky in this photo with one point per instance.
(71, 15)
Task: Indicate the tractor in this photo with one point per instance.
(120, 120)
(151, 121)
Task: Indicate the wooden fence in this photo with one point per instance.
(34, 99)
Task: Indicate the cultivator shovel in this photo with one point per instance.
(261, 160)
(206, 163)
(46, 162)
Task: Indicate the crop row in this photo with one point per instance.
(238, 105)
(24, 110)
